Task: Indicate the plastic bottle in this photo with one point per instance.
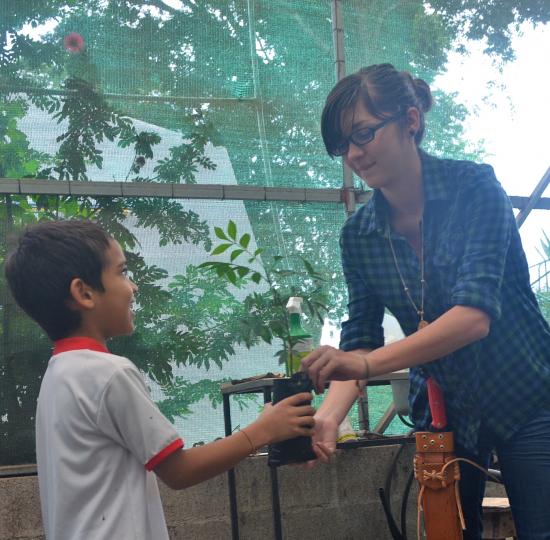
(302, 341)
(346, 431)
(303, 345)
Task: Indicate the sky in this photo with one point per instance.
(510, 112)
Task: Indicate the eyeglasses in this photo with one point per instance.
(361, 136)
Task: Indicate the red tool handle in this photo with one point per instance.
(437, 404)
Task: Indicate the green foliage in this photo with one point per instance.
(182, 394)
(543, 267)
(541, 284)
(491, 21)
(545, 247)
(89, 121)
(17, 160)
(251, 76)
(278, 278)
(543, 298)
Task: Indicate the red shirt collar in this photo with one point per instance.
(77, 343)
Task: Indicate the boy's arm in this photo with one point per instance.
(185, 468)
(285, 420)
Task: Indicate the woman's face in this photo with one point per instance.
(380, 162)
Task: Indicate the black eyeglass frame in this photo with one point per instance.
(370, 132)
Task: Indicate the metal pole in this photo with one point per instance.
(340, 67)
(231, 473)
(347, 176)
(534, 198)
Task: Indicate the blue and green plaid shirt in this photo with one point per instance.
(473, 257)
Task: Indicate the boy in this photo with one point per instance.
(98, 433)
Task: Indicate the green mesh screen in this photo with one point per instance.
(230, 92)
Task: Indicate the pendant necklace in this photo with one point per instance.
(420, 311)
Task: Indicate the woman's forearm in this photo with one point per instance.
(456, 328)
(338, 401)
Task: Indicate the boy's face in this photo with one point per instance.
(114, 313)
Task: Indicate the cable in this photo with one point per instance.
(406, 422)
(384, 494)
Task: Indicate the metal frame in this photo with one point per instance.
(27, 186)
(534, 199)
(340, 69)
(31, 186)
(264, 386)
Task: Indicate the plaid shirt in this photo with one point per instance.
(473, 257)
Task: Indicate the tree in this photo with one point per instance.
(491, 21)
(251, 76)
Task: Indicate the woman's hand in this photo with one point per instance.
(329, 364)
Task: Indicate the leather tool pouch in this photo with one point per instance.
(438, 485)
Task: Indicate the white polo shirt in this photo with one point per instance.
(98, 436)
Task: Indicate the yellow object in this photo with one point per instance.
(346, 431)
(347, 437)
(302, 342)
(296, 356)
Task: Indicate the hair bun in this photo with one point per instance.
(424, 94)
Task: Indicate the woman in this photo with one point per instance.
(438, 246)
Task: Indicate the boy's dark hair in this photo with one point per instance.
(48, 256)
(384, 91)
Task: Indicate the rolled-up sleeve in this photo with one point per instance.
(488, 221)
(363, 329)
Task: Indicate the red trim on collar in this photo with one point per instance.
(77, 343)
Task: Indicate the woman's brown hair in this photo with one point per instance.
(384, 91)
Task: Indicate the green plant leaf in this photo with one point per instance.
(256, 277)
(231, 276)
(308, 267)
(235, 254)
(232, 229)
(220, 234)
(265, 333)
(220, 249)
(242, 271)
(245, 240)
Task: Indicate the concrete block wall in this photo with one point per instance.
(336, 501)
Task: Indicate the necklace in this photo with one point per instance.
(420, 311)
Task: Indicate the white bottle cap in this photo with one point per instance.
(294, 304)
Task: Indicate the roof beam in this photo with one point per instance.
(32, 186)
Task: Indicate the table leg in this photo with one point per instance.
(363, 410)
(275, 500)
(231, 473)
(277, 526)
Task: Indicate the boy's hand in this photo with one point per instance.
(287, 419)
